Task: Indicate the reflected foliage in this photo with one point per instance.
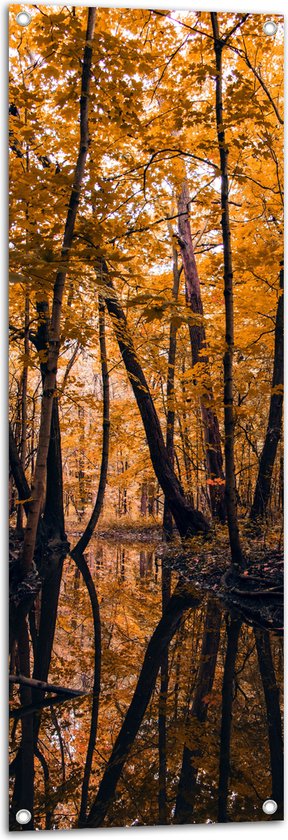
(221, 698)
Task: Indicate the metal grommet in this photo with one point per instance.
(23, 816)
(270, 28)
(23, 18)
(269, 807)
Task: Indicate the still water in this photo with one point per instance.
(203, 742)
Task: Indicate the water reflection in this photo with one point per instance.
(189, 722)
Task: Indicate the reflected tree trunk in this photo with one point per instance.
(271, 694)
(85, 572)
(45, 768)
(233, 631)
(162, 719)
(181, 600)
(204, 683)
(24, 776)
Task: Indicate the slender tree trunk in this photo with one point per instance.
(26, 768)
(204, 683)
(85, 572)
(81, 462)
(273, 432)
(167, 516)
(53, 537)
(188, 521)
(17, 471)
(271, 694)
(198, 346)
(181, 600)
(90, 528)
(162, 719)
(233, 630)
(54, 338)
(24, 387)
(230, 483)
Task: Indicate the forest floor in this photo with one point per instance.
(256, 592)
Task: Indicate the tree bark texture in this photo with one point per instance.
(229, 422)
(273, 433)
(16, 467)
(90, 528)
(170, 422)
(54, 337)
(188, 520)
(200, 357)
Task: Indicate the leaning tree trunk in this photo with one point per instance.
(54, 338)
(273, 433)
(188, 520)
(199, 357)
(230, 482)
(89, 530)
(181, 600)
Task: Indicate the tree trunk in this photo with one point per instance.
(86, 574)
(167, 516)
(268, 455)
(271, 694)
(204, 683)
(51, 542)
(233, 630)
(230, 483)
(198, 345)
(181, 600)
(89, 530)
(54, 338)
(81, 462)
(188, 521)
(162, 718)
(24, 386)
(17, 471)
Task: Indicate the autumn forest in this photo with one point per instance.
(145, 429)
